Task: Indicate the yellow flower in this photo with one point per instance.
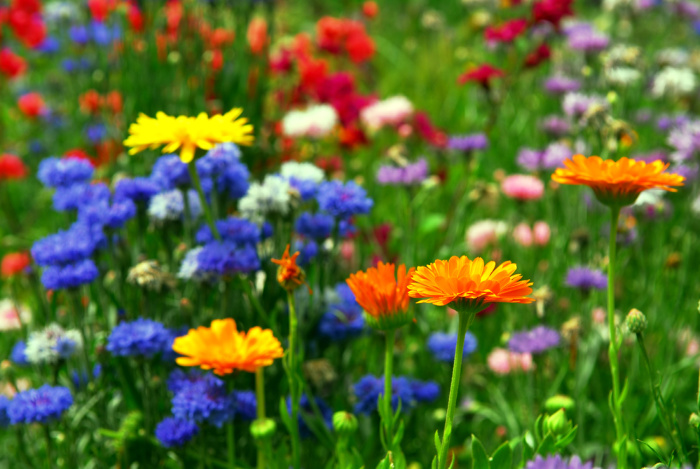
(188, 133)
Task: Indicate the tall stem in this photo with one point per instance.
(465, 319)
(203, 200)
(230, 437)
(187, 218)
(47, 437)
(621, 439)
(388, 371)
(260, 399)
(76, 309)
(293, 382)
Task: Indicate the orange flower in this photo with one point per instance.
(289, 274)
(469, 285)
(617, 182)
(383, 295)
(223, 349)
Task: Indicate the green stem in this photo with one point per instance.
(621, 438)
(465, 318)
(260, 399)
(203, 200)
(230, 429)
(22, 446)
(47, 437)
(187, 219)
(254, 300)
(388, 371)
(661, 409)
(293, 382)
(78, 324)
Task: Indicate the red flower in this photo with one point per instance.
(11, 64)
(312, 71)
(281, 62)
(78, 154)
(173, 15)
(360, 47)
(14, 263)
(90, 102)
(31, 104)
(370, 9)
(539, 55)
(330, 34)
(221, 37)
(352, 137)
(12, 167)
(483, 75)
(506, 32)
(100, 9)
(330, 164)
(217, 60)
(257, 35)
(551, 11)
(114, 101)
(428, 131)
(135, 17)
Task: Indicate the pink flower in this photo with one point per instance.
(10, 317)
(599, 316)
(541, 232)
(522, 234)
(503, 362)
(522, 187)
(484, 233)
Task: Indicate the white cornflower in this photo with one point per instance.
(391, 111)
(674, 82)
(301, 171)
(672, 57)
(189, 269)
(52, 344)
(11, 317)
(622, 76)
(271, 197)
(169, 206)
(483, 233)
(315, 121)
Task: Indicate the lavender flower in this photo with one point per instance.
(537, 340)
(555, 126)
(577, 104)
(468, 143)
(557, 462)
(586, 279)
(561, 85)
(686, 141)
(411, 174)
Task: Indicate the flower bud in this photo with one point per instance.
(344, 423)
(636, 321)
(558, 402)
(263, 429)
(557, 424)
(694, 420)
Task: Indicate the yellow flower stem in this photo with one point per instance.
(186, 218)
(616, 405)
(202, 199)
(465, 318)
(294, 388)
(260, 399)
(388, 371)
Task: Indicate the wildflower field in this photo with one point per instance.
(329, 234)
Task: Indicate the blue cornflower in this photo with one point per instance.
(4, 418)
(557, 462)
(101, 33)
(179, 378)
(216, 160)
(39, 405)
(101, 213)
(65, 347)
(64, 172)
(346, 229)
(344, 318)
(308, 252)
(96, 371)
(139, 337)
(120, 212)
(234, 180)
(235, 230)
(443, 346)
(343, 201)
(174, 432)
(227, 258)
(79, 380)
(138, 189)
(65, 247)
(95, 133)
(318, 226)
(586, 279)
(170, 206)
(79, 34)
(266, 230)
(306, 409)
(49, 46)
(246, 405)
(307, 189)
(59, 277)
(408, 391)
(17, 355)
(537, 340)
(204, 400)
(72, 197)
(169, 172)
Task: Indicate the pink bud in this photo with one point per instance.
(522, 187)
(499, 361)
(522, 234)
(599, 315)
(542, 233)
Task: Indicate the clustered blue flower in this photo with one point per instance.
(227, 258)
(443, 345)
(344, 318)
(174, 432)
(64, 172)
(317, 226)
(408, 391)
(343, 200)
(138, 189)
(74, 196)
(307, 252)
(141, 337)
(204, 400)
(235, 230)
(39, 405)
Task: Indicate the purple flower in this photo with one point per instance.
(235, 230)
(467, 143)
(536, 340)
(556, 126)
(667, 122)
(414, 173)
(561, 85)
(227, 258)
(59, 277)
(557, 462)
(686, 141)
(138, 189)
(690, 173)
(577, 104)
(530, 159)
(588, 40)
(586, 279)
(554, 155)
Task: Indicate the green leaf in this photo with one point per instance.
(547, 446)
(398, 436)
(623, 394)
(567, 439)
(430, 223)
(386, 462)
(502, 458)
(433, 465)
(284, 415)
(538, 428)
(528, 452)
(480, 458)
